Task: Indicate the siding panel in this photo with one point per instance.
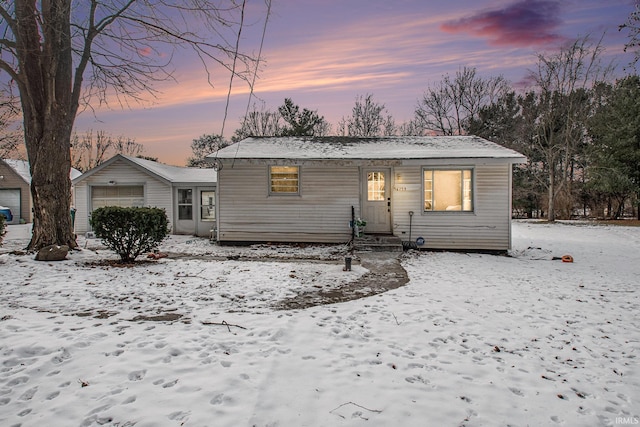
(321, 212)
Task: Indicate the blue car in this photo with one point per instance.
(6, 212)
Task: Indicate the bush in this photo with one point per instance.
(2, 227)
(130, 232)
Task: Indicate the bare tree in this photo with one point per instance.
(202, 147)
(410, 128)
(633, 27)
(259, 122)
(62, 54)
(368, 118)
(447, 107)
(91, 150)
(563, 81)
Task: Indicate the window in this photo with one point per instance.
(375, 186)
(448, 190)
(208, 205)
(284, 180)
(125, 196)
(185, 203)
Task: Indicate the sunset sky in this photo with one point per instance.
(323, 54)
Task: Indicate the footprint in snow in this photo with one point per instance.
(179, 415)
(170, 384)
(28, 395)
(17, 381)
(129, 400)
(219, 399)
(137, 375)
(516, 391)
(25, 412)
(53, 395)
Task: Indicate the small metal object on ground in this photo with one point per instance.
(347, 264)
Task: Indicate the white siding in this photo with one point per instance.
(320, 213)
(487, 228)
(156, 192)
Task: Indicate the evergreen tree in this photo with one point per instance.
(301, 123)
(615, 149)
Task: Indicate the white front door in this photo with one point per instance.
(376, 200)
(207, 208)
(185, 221)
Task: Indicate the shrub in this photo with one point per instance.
(130, 232)
(2, 226)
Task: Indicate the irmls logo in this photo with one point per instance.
(627, 420)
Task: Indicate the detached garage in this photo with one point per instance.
(15, 188)
(187, 194)
(15, 191)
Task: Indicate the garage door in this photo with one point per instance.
(11, 200)
(121, 195)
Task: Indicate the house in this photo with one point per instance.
(442, 192)
(187, 195)
(15, 188)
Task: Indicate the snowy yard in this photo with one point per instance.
(474, 340)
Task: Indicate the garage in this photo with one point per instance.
(10, 198)
(187, 195)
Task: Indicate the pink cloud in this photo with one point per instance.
(524, 23)
(145, 51)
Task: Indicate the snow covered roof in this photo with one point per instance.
(379, 148)
(176, 173)
(21, 167)
(168, 173)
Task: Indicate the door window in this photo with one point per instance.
(375, 187)
(185, 204)
(208, 205)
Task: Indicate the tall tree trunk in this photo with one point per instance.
(551, 211)
(43, 43)
(51, 185)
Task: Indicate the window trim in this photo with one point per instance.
(270, 191)
(185, 204)
(460, 169)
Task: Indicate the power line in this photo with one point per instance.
(233, 68)
(255, 73)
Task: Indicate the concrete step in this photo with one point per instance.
(378, 243)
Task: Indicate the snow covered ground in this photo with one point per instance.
(474, 340)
